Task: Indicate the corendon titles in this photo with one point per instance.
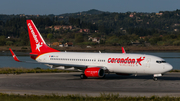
(38, 44)
(33, 33)
(129, 61)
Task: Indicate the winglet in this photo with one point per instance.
(123, 50)
(14, 55)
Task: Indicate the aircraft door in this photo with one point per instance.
(148, 63)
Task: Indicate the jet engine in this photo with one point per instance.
(94, 72)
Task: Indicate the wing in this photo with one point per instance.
(79, 66)
(123, 50)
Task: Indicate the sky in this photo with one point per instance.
(56, 7)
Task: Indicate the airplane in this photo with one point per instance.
(93, 64)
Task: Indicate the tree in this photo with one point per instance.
(9, 43)
(50, 36)
(79, 38)
(2, 40)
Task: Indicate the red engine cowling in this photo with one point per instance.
(94, 72)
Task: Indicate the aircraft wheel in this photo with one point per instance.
(104, 76)
(83, 76)
(155, 79)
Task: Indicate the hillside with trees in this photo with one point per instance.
(95, 27)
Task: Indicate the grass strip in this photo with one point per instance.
(102, 97)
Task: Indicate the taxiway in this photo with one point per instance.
(70, 83)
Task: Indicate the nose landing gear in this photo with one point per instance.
(155, 76)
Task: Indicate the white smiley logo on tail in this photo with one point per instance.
(38, 46)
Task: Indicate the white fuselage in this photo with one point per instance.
(113, 62)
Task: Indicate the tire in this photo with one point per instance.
(104, 76)
(155, 79)
(83, 76)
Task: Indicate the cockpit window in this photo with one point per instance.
(160, 61)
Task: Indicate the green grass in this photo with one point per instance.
(174, 71)
(102, 97)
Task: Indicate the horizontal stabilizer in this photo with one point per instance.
(14, 56)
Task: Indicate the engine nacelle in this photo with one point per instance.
(94, 72)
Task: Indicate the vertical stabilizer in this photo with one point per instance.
(38, 45)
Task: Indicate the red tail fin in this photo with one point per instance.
(38, 45)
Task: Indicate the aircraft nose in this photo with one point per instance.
(168, 67)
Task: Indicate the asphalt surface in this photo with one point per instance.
(70, 83)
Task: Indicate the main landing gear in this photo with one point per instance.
(83, 76)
